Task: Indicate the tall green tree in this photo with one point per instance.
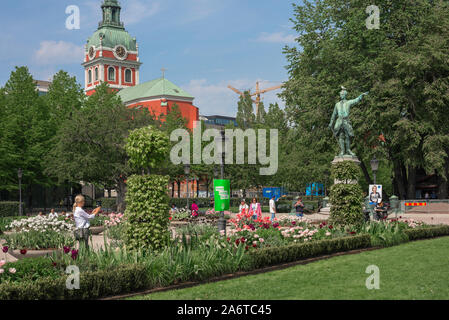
(245, 111)
(25, 133)
(402, 64)
(89, 146)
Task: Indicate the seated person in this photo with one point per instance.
(53, 214)
(379, 210)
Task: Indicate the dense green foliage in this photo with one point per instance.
(90, 145)
(9, 208)
(346, 197)
(403, 65)
(146, 147)
(147, 211)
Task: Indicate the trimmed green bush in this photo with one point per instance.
(9, 208)
(426, 233)
(147, 212)
(346, 197)
(93, 285)
(30, 269)
(294, 252)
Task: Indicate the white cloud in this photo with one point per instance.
(218, 99)
(276, 37)
(58, 52)
(135, 11)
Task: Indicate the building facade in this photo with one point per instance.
(112, 56)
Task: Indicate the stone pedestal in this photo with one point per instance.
(338, 159)
(327, 209)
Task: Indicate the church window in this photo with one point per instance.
(89, 76)
(128, 75)
(96, 74)
(111, 74)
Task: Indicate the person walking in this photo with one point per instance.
(273, 208)
(255, 209)
(194, 208)
(299, 206)
(82, 221)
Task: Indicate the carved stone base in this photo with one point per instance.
(338, 159)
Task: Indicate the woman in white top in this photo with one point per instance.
(82, 220)
(243, 208)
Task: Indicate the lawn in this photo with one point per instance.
(416, 270)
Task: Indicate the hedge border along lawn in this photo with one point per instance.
(9, 208)
(132, 278)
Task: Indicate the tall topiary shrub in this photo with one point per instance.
(147, 208)
(346, 195)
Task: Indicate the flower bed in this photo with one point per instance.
(248, 245)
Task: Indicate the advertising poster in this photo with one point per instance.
(222, 192)
(375, 193)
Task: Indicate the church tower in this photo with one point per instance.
(111, 54)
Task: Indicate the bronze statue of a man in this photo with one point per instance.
(342, 128)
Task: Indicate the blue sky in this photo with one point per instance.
(205, 44)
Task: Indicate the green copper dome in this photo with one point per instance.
(111, 30)
(112, 37)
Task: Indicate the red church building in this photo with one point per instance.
(112, 56)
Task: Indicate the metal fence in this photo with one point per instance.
(434, 206)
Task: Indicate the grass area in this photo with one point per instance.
(416, 270)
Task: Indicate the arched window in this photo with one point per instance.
(89, 76)
(111, 74)
(128, 76)
(96, 74)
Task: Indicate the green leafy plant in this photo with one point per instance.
(346, 197)
(147, 211)
(37, 240)
(147, 147)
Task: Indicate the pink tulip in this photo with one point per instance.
(2, 263)
(12, 270)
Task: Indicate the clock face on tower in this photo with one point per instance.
(120, 52)
(91, 52)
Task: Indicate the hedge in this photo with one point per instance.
(9, 208)
(93, 285)
(294, 252)
(132, 278)
(426, 233)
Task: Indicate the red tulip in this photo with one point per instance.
(23, 251)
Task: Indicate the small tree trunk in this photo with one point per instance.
(121, 192)
(411, 187)
(399, 181)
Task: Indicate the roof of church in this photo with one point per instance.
(112, 37)
(111, 31)
(153, 88)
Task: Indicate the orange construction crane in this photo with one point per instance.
(257, 93)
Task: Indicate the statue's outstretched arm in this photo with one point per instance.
(358, 99)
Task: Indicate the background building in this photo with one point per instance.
(112, 56)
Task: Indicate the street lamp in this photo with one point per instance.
(221, 220)
(19, 175)
(187, 172)
(374, 168)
